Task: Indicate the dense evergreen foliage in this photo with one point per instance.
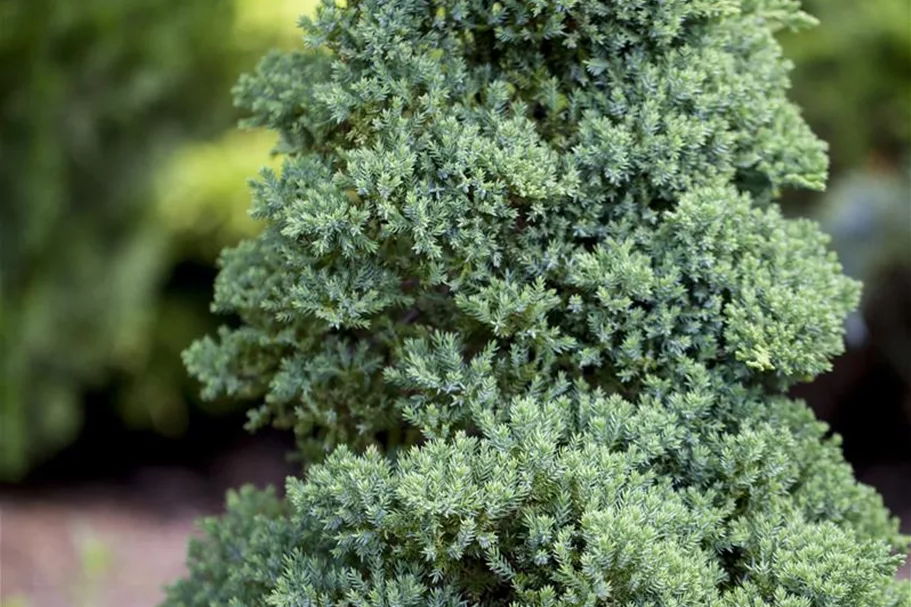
(525, 280)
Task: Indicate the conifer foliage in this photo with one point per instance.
(524, 282)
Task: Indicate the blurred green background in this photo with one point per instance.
(853, 79)
(122, 176)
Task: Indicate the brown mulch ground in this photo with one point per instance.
(94, 551)
(116, 544)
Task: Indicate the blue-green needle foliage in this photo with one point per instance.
(525, 280)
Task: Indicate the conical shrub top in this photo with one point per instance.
(582, 187)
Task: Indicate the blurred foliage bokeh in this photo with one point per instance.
(120, 168)
(119, 164)
(852, 78)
